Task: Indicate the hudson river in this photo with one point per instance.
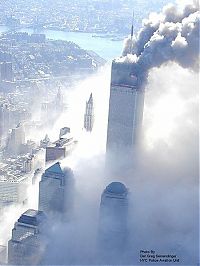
(104, 47)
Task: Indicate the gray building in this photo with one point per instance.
(28, 241)
(56, 190)
(60, 148)
(113, 223)
(125, 108)
(17, 139)
(89, 114)
(114, 215)
(13, 188)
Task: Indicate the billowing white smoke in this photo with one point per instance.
(98, 85)
(163, 182)
(172, 35)
(75, 98)
(164, 179)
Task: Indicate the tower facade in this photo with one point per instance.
(17, 138)
(89, 114)
(125, 107)
(27, 242)
(113, 221)
(56, 190)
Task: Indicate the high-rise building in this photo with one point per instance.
(125, 108)
(60, 148)
(113, 217)
(5, 119)
(89, 114)
(16, 140)
(56, 190)
(13, 188)
(28, 239)
(6, 71)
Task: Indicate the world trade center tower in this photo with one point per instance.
(125, 108)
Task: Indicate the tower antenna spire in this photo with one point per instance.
(132, 29)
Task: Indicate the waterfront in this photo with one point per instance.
(104, 47)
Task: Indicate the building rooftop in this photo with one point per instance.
(55, 168)
(31, 213)
(56, 172)
(116, 188)
(90, 99)
(13, 177)
(32, 217)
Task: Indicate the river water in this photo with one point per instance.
(104, 47)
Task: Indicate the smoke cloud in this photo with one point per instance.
(172, 35)
(163, 181)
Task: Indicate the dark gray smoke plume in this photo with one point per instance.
(172, 35)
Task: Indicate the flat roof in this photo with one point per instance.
(32, 217)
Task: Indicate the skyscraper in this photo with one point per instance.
(114, 216)
(5, 118)
(125, 107)
(13, 188)
(17, 138)
(27, 243)
(56, 190)
(60, 148)
(113, 219)
(89, 114)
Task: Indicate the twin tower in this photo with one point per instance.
(125, 111)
